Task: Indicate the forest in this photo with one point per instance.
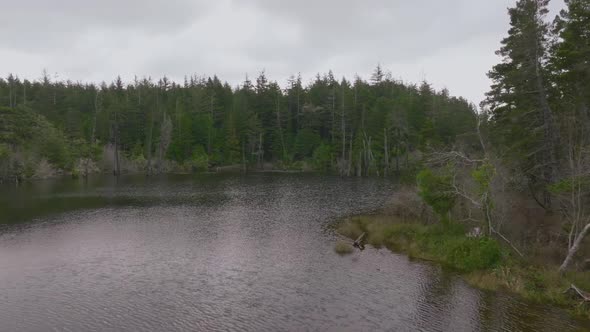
(531, 135)
(355, 127)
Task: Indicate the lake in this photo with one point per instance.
(224, 252)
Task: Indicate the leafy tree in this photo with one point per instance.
(437, 192)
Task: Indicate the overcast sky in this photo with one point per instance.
(450, 43)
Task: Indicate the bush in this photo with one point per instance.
(343, 248)
(436, 191)
(306, 142)
(468, 254)
(4, 152)
(199, 159)
(322, 158)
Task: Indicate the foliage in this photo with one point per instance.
(446, 244)
(523, 117)
(483, 176)
(437, 192)
(343, 248)
(199, 160)
(4, 152)
(322, 157)
(565, 185)
(257, 121)
(306, 142)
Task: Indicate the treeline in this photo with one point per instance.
(534, 135)
(350, 127)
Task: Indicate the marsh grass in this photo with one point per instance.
(343, 248)
(483, 262)
(445, 244)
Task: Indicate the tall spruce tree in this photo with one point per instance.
(519, 97)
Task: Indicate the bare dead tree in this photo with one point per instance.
(481, 194)
(260, 153)
(343, 162)
(573, 191)
(86, 159)
(280, 127)
(349, 155)
(150, 137)
(165, 139)
(386, 153)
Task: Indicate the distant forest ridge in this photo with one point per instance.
(355, 127)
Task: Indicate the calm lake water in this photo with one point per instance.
(224, 252)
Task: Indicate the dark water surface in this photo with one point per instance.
(224, 252)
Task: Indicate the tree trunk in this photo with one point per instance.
(407, 156)
(549, 136)
(359, 165)
(243, 157)
(574, 248)
(150, 138)
(93, 134)
(165, 139)
(398, 150)
(117, 170)
(280, 128)
(260, 153)
(210, 127)
(343, 129)
(333, 116)
(10, 95)
(298, 115)
(349, 155)
(386, 152)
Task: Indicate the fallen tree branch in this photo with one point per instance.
(585, 296)
(507, 241)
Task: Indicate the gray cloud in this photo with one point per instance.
(450, 43)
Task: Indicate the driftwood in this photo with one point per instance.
(585, 296)
(358, 243)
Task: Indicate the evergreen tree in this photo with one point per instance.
(519, 98)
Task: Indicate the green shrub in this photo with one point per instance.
(322, 158)
(436, 191)
(446, 243)
(199, 159)
(306, 142)
(469, 254)
(297, 166)
(4, 152)
(343, 248)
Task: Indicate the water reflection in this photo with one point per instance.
(223, 253)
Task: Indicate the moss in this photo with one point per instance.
(343, 248)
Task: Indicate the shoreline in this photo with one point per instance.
(219, 170)
(482, 262)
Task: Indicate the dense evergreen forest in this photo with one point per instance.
(531, 135)
(355, 127)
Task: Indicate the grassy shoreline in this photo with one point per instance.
(482, 262)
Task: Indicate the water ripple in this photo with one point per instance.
(234, 253)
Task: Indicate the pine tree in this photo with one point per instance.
(519, 98)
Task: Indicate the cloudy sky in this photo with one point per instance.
(449, 43)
